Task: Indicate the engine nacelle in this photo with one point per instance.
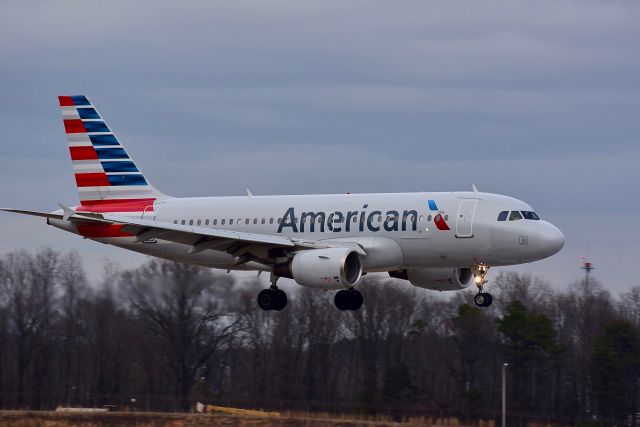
(331, 268)
(437, 279)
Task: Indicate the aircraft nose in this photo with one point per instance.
(551, 239)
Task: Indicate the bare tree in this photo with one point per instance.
(176, 305)
(30, 288)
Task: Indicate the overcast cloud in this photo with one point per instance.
(538, 100)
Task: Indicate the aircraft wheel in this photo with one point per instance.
(341, 300)
(266, 299)
(356, 299)
(280, 300)
(480, 299)
(489, 299)
(272, 299)
(348, 299)
(483, 299)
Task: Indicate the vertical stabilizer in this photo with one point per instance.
(107, 178)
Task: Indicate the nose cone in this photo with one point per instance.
(551, 239)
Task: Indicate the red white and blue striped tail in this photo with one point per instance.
(108, 179)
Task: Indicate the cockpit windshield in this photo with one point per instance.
(530, 215)
(514, 216)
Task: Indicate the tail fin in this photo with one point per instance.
(108, 179)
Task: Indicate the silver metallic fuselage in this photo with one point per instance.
(475, 236)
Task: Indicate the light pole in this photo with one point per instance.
(587, 267)
(504, 394)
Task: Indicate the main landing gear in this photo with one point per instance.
(482, 299)
(273, 298)
(348, 299)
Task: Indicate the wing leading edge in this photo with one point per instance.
(246, 246)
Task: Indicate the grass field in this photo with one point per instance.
(150, 419)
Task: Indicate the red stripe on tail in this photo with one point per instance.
(74, 126)
(65, 101)
(92, 179)
(83, 153)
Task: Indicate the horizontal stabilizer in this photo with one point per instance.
(33, 213)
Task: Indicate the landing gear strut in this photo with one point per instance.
(482, 299)
(348, 299)
(272, 298)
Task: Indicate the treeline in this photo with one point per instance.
(165, 335)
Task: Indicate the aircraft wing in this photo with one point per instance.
(246, 246)
(198, 237)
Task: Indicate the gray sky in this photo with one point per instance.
(537, 100)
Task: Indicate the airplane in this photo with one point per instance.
(441, 241)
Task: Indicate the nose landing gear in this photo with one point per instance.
(482, 299)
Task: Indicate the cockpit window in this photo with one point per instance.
(530, 215)
(514, 216)
(502, 216)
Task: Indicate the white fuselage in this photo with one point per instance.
(397, 231)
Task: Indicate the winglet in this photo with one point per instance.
(249, 193)
(475, 190)
(67, 212)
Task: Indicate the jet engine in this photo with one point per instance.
(331, 268)
(437, 279)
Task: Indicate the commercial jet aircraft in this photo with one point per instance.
(439, 241)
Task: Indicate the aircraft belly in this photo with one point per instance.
(416, 250)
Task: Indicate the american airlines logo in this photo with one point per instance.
(358, 220)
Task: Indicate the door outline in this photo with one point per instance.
(464, 218)
(149, 214)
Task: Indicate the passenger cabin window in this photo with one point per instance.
(222, 222)
(199, 221)
(502, 216)
(270, 220)
(264, 220)
(206, 222)
(175, 221)
(183, 222)
(231, 222)
(530, 215)
(190, 222)
(255, 220)
(514, 216)
(215, 221)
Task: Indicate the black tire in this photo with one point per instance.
(489, 299)
(341, 300)
(280, 300)
(480, 299)
(355, 300)
(266, 299)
